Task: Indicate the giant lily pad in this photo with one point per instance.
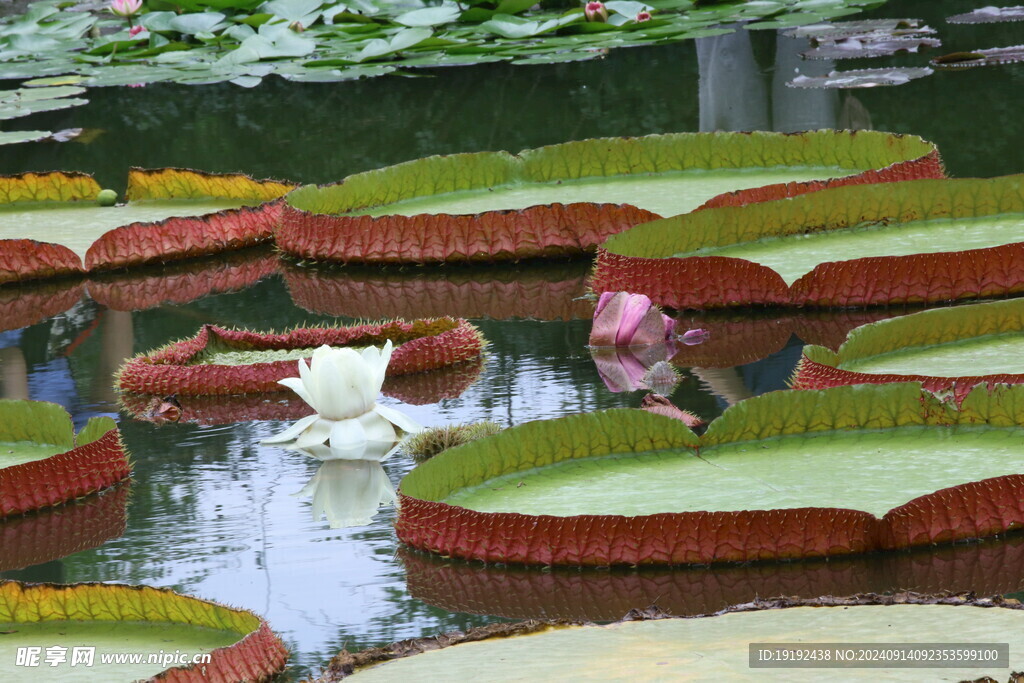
(499, 291)
(50, 225)
(944, 349)
(989, 15)
(43, 463)
(126, 619)
(222, 361)
(720, 646)
(783, 475)
(543, 202)
(417, 388)
(605, 594)
(986, 57)
(914, 242)
(53, 533)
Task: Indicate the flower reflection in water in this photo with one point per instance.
(348, 491)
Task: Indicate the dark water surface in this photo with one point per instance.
(212, 513)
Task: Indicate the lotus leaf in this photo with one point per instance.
(171, 214)
(43, 463)
(987, 57)
(989, 15)
(783, 475)
(914, 242)
(934, 347)
(861, 78)
(426, 210)
(136, 619)
(719, 646)
(219, 361)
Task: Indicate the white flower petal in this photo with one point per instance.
(296, 385)
(378, 428)
(345, 385)
(293, 431)
(399, 419)
(347, 434)
(316, 434)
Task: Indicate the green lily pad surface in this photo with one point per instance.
(667, 174)
(228, 356)
(988, 355)
(873, 471)
(793, 255)
(109, 638)
(78, 226)
(714, 647)
(666, 194)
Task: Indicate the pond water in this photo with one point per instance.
(212, 513)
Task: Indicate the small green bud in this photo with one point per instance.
(106, 198)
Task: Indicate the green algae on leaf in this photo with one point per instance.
(944, 349)
(117, 618)
(42, 463)
(720, 646)
(564, 491)
(913, 242)
(496, 206)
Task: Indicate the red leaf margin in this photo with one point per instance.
(542, 231)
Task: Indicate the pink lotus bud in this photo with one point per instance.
(624, 319)
(596, 11)
(125, 8)
(136, 30)
(697, 336)
(643, 16)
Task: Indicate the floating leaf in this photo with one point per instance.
(861, 78)
(493, 205)
(988, 57)
(224, 362)
(240, 644)
(42, 466)
(723, 645)
(429, 16)
(505, 498)
(923, 241)
(949, 349)
(989, 15)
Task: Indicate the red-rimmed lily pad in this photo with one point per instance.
(497, 291)
(417, 388)
(652, 645)
(781, 476)
(180, 283)
(52, 224)
(43, 463)
(995, 566)
(950, 349)
(862, 78)
(125, 619)
(566, 199)
(53, 533)
(906, 243)
(220, 361)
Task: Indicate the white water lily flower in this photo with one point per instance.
(349, 492)
(342, 385)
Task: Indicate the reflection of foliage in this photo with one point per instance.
(211, 41)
